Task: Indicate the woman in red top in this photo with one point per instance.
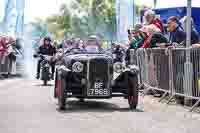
(2, 46)
(152, 25)
(4, 41)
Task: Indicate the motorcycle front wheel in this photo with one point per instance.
(45, 82)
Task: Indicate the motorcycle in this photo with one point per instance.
(45, 67)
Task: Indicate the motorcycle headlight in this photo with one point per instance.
(118, 67)
(77, 67)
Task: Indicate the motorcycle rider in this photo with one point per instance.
(46, 49)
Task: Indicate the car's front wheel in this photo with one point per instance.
(133, 92)
(62, 98)
(45, 82)
(61, 103)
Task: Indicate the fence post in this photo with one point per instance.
(171, 75)
(171, 72)
(188, 77)
(132, 54)
(139, 65)
(146, 67)
(146, 82)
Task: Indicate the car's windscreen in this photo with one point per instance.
(87, 50)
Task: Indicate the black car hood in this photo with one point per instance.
(84, 57)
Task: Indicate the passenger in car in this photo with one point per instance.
(93, 45)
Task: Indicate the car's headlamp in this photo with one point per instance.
(118, 67)
(77, 67)
(134, 68)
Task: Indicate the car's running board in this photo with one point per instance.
(97, 97)
(118, 95)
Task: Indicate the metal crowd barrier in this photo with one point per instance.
(4, 65)
(168, 71)
(7, 66)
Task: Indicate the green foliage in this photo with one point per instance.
(83, 17)
(39, 27)
(80, 18)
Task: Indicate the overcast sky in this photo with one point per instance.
(169, 3)
(44, 8)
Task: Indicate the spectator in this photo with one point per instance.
(3, 46)
(18, 44)
(154, 29)
(150, 19)
(55, 44)
(153, 37)
(81, 44)
(76, 43)
(137, 37)
(177, 36)
(67, 44)
(194, 33)
(113, 46)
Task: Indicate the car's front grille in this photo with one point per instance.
(98, 71)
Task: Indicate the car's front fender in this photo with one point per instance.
(63, 71)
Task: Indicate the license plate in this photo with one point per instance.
(98, 90)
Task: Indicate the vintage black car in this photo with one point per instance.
(94, 76)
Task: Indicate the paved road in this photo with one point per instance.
(27, 107)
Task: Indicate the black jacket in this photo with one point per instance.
(177, 36)
(50, 50)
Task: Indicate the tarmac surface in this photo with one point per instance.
(28, 107)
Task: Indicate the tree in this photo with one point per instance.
(100, 16)
(39, 27)
(60, 24)
(84, 17)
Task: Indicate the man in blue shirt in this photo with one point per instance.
(177, 35)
